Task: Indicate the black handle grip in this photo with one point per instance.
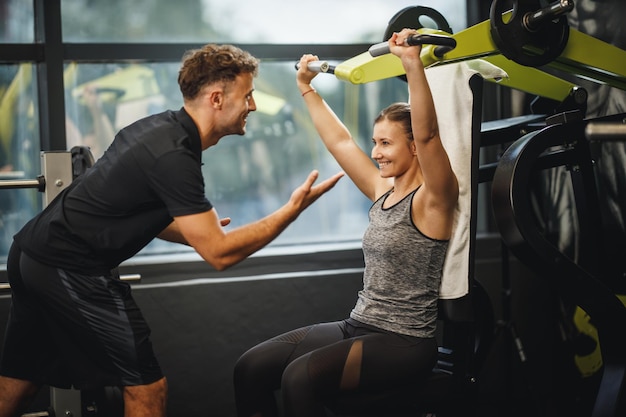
(444, 43)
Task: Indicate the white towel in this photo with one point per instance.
(453, 99)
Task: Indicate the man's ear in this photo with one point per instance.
(216, 99)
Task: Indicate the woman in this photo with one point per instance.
(389, 336)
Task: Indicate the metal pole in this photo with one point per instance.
(606, 131)
(39, 183)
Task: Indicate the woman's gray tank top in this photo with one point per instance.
(402, 272)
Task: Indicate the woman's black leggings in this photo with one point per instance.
(313, 364)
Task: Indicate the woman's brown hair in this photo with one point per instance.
(399, 113)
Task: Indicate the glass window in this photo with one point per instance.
(19, 149)
(247, 177)
(16, 21)
(244, 21)
(100, 99)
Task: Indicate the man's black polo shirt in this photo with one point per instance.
(149, 174)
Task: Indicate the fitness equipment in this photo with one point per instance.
(57, 175)
(607, 131)
(59, 169)
(529, 36)
(567, 143)
(516, 41)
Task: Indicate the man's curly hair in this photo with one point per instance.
(211, 64)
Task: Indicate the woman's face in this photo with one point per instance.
(392, 151)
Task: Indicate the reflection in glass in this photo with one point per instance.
(100, 99)
(19, 149)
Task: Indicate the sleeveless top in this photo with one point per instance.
(403, 269)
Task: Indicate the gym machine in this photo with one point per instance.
(583, 282)
(57, 175)
(56, 167)
(519, 41)
(59, 169)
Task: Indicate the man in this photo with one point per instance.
(72, 321)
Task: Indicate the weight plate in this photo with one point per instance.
(532, 48)
(410, 17)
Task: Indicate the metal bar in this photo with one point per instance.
(606, 132)
(130, 277)
(37, 183)
(532, 21)
(126, 277)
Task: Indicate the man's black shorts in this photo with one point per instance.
(69, 329)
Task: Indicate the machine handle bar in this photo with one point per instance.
(39, 183)
(444, 44)
(318, 66)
